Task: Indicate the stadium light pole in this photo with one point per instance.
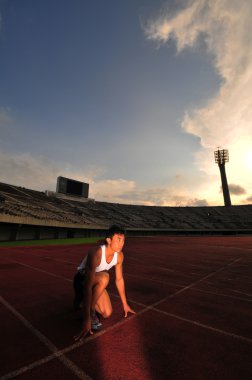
(221, 157)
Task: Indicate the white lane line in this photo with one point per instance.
(149, 266)
(240, 292)
(154, 280)
(60, 353)
(153, 306)
(205, 277)
(222, 295)
(128, 258)
(224, 246)
(232, 247)
(146, 308)
(43, 339)
(191, 321)
(177, 273)
(58, 260)
(222, 332)
(41, 270)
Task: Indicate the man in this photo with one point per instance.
(92, 278)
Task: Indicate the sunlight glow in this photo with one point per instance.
(248, 159)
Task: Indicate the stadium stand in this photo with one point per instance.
(30, 214)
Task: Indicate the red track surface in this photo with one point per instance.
(193, 297)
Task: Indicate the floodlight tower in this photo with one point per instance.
(221, 157)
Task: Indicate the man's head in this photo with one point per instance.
(115, 237)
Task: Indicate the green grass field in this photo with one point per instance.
(50, 242)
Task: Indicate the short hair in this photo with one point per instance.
(115, 229)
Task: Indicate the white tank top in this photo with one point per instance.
(103, 264)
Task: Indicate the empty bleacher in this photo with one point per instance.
(21, 206)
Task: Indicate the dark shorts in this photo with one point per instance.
(78, 284)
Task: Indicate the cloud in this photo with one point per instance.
(163, 196)
(40, 173)
(225, 26)
(249, 199)
(197, 202)
(28, 171)
(178, 26)
(112, 190)
(236, 189)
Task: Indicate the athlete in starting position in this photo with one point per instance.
(92, 278)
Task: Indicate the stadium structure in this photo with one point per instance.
(27, 214)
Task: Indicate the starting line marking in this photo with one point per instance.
(60, 354)
(43, 339)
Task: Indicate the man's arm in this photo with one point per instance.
(92, 262)
(119, 280)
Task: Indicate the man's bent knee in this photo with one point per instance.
(107, 313)
(103, 278)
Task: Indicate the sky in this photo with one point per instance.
(132, 97)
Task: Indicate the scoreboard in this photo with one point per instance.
(72, 187)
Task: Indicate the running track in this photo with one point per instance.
(192, 295)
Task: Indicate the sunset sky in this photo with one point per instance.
(132, 97)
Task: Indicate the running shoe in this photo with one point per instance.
(95, 322)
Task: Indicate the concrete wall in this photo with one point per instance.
(19, 232)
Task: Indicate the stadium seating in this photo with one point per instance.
(25, 206)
